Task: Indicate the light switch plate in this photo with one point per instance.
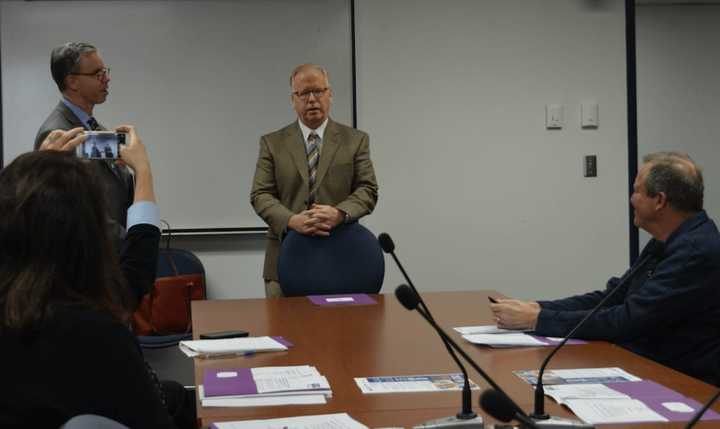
(589, 112)
(554, 116)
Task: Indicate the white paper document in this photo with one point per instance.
(564, 392)
(607, 411)
(504, 340)
(324, 421)
(289, 378)
(413, 383)
(484, 329)
(230, 346)
(260, 400)
(578, 376)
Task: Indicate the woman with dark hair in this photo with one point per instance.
(65, 295)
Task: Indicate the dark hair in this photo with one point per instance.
(55, 247)
(676, 175)
(65, 59)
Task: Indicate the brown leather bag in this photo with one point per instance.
(165, 310)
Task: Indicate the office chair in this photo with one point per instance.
(91, 421)
(348, 261)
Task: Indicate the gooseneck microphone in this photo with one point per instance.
(466, 412)
(539, 413)
(699, 414)
(411, 301)
(498, 406)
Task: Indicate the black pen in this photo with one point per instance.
(492, 300)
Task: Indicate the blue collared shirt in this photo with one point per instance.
(143, 212)
(80, 113)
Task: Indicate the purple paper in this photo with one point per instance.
(654, 395)
(548, 342)
(282, 341)
(241, 384)
(342, 299)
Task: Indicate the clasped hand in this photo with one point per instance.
(318, 220)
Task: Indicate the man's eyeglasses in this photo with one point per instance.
(101, 74)
(305, 95)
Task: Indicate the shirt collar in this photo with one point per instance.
(320, 131)
(689, 224)
(80, 113)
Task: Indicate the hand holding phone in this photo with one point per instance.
(223, 334)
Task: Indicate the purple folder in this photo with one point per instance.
(654, 395)
(241, 383)
(342, 299)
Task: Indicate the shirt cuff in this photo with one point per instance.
(143, 212)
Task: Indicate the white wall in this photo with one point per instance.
(678, 87)
(475, 190)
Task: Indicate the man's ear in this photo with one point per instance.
(661, 200)
(71, 82)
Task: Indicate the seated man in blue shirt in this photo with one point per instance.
(668, 312)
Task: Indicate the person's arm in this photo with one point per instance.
(264, 196)
(677, 289)
(364, 194)
(139, 251)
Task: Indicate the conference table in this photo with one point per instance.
(385, 339)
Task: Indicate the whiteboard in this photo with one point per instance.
(201, 81)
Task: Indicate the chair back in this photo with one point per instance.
(350, 260)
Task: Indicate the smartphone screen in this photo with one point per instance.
(101, 145)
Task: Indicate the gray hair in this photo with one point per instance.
(309, 66)
(676, 175)
(65, 58)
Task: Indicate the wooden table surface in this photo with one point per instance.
(385, 339)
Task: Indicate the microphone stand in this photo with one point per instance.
(699, 414)
(466, 414)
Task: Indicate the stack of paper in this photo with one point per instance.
(491, 335)
(272, 385)
(324, 421)
(232, 346)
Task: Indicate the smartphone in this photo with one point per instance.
(493, 300)
(223, 334)
(101, 145)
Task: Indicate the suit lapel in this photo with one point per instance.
(69, 115)
(296, 147)
(330, 145)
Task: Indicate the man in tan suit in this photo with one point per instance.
(311, 175)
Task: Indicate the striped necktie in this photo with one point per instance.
(93, 124)
(313, 156)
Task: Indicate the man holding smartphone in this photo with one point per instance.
(82, 78)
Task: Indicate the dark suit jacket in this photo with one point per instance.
(345, 179)
(669, 312)
(118, 184)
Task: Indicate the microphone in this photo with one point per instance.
(408, 299)
(498, 406)
(699, 414)
(656, 249)
(411, 301)
(388, 246)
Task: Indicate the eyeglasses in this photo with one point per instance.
(101, 74)
(305, 95)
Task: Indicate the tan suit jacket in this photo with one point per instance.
(345, 179)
